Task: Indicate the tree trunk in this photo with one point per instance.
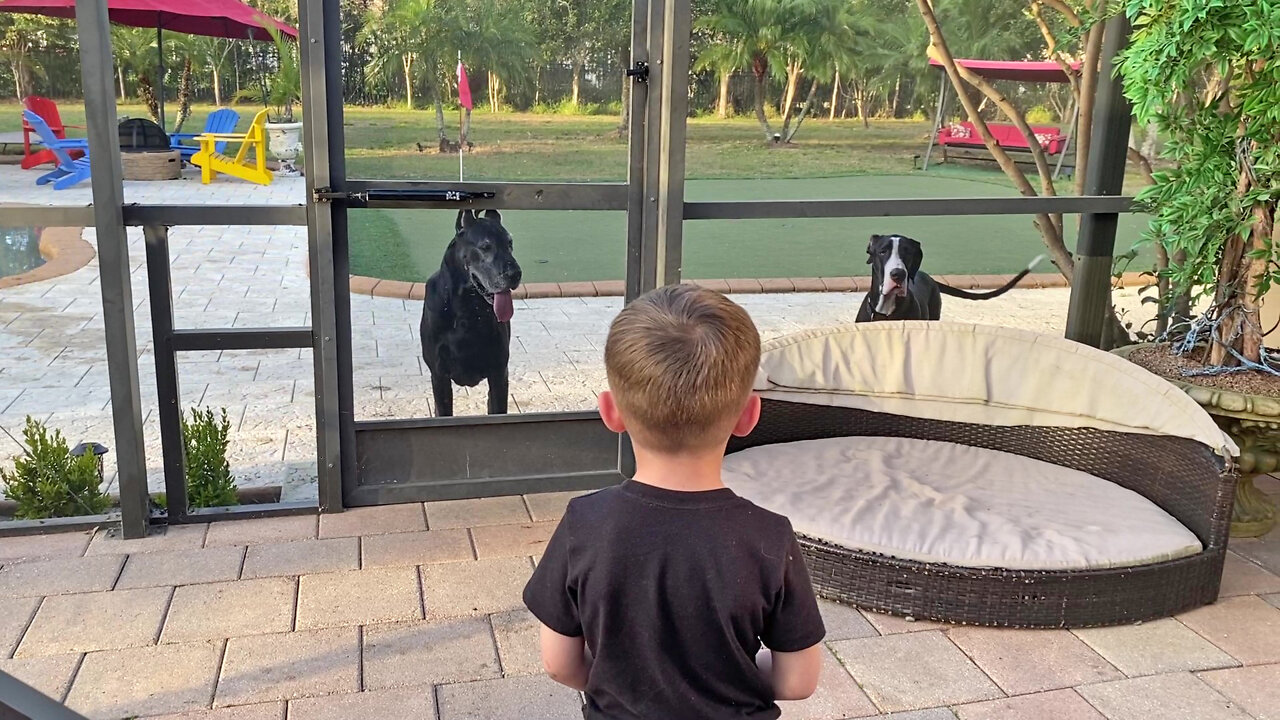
(537, 86)
(897, 97)
(120, 77)
(147, 94)
(465, 134)
(761, 117)
(835, 94)
(804, 111)
(184, 96)
(577, 82)
(860, 97)
(439, 103)
(624, 123)
(722, 104)
(789, 97)
(1244, 262)
(217, 86)
(493, 92)
(1088, 89)
(17, 82)
(407, 60)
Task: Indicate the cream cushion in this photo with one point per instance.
(979, 374)
(940, 502)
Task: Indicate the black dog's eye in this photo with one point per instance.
(486, 246)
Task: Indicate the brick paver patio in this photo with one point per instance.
(413, 611)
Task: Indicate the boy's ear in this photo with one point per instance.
(610, 414)
(748, 419)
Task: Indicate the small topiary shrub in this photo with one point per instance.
(204, 444)
(48, 481)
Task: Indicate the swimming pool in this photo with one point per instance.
(19, 251)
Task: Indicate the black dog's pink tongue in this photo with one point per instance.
(502, 306)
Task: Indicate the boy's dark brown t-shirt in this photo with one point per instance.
(674, 593)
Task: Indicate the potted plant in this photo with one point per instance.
(1205, 74)
(283, 89)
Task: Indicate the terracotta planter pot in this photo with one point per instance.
(1253, 422)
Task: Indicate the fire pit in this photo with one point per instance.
(145, 151)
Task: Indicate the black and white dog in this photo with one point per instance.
(900, 290)
(466, 314)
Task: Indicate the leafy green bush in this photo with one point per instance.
(48, 481)
(1041, 115)
(204, 446)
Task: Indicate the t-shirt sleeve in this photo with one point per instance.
(793, 623)
(552, 593)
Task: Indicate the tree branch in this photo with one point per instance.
(1072, 17)
(1048, 228)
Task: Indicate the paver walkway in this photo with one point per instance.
(413, 611)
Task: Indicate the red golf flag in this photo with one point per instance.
(464, 88)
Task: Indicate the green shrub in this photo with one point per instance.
(48, 481)
(204, 447)
(1040, 115)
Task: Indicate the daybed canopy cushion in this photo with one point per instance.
(979, 374)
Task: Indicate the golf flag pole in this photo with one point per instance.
(464, 103)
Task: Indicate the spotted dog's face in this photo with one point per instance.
(894, 261)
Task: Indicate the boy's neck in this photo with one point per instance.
(686, 472)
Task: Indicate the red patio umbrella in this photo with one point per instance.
(212, 18)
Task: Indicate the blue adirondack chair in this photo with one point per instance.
(69, 172)
(220, 121)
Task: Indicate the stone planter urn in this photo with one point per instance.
(1253, 422)
(285, 141)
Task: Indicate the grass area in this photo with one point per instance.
(725, 161)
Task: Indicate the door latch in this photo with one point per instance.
(639, 72)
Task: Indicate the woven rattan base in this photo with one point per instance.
(1181, 476)
(164, 165)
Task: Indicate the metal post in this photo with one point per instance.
(113, 262)
(321, 59)
(160, 284)
(937, 118)
(1091, 285)
(1071, 134)
(648, 260)
(636, 204)
(675, 113)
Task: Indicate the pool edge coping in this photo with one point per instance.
(64, 250)
(402, 290)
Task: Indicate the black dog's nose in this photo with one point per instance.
(898, 274)
(513, 275)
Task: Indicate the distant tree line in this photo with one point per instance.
(780, 61)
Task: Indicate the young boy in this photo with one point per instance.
(656, 595)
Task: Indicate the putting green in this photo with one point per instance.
(566, 246)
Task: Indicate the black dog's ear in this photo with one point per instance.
(871, 242)
(466, 218)
(493, 215)
(914, 258)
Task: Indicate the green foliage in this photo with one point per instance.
(1041, 115)
(48, 481)
(566, 107)
(1207, 74)
(284, 86)
(204, 445)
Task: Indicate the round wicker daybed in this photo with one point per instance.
(988, 476)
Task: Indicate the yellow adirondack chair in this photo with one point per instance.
(212, 163)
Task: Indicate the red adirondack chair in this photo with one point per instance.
(47, 109)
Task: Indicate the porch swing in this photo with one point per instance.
(961, 140)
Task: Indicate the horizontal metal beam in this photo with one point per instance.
(11, 528)
(20, 701)
(767, 209)
(472, 420)
(249, 512)
(176, 215)
(45, 216)
(241, 339)
(464, 488)
(507, 196)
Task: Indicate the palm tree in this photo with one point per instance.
(756, 34)
(830, 35)
(135, 50)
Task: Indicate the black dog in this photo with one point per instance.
(466, 315)
(900, 290)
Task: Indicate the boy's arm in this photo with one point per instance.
(565, 658)
(793, 675)
(794, 631)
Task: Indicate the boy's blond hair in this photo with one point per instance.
(681, 361)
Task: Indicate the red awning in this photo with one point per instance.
(212, 18)
(1035, 72)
